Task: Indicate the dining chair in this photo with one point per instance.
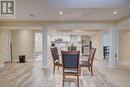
(55, 57)
(89, 62)
(70, 63)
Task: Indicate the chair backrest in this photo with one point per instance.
(54, 52)
(70, 59)
(92, 54)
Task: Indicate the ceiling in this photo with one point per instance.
(77, 14)
(72, 10)
(87, 3)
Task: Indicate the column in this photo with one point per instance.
(45, 47)
(113, 33)
(101, 44)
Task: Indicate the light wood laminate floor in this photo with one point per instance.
(31, 74)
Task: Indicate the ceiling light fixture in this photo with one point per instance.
(32, 15)
(60, 12)
(128, 6)
(115, 12)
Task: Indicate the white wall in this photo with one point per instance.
(1, 48)
(124, 46)
(22, 44)
(4, 47)
(97, 43)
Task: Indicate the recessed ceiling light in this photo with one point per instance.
(31, 15)
(128, 6)
(60, 12)
(115, 12)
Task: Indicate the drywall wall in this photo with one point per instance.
(22, 44)
(1, 48)
(4, 47)
(97, 43)
(124, 46)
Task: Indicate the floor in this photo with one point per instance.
(119, 75)
(31, 74)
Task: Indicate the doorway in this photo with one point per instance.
(106, 47)
(38, 46)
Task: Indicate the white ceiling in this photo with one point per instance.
(87, 3)
(93, 12)
(72, 9)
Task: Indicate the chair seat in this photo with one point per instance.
(84, 63)
(70, 71)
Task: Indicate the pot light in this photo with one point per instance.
(129, 6)
(60, 12)
(32, 15)
(115, 12)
